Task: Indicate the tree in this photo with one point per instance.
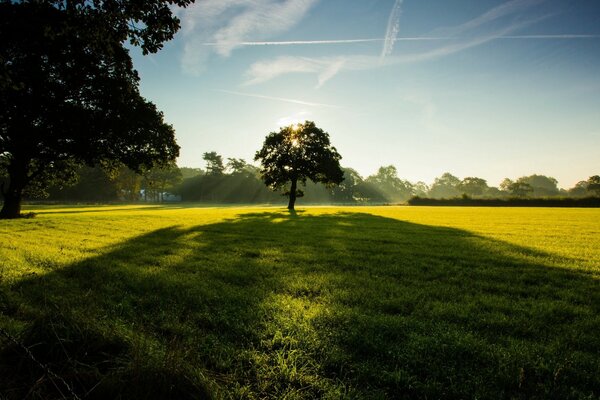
(505, 185)
(445, 186)
(390, 185)
(158, 179)
(593, 184)
(69, 94)
(346, 191)
(297, 153)
(237, 165)
(214, 163)
(542, 185)
(473, 186)
(520, 189)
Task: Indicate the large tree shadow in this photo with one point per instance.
(278, 304)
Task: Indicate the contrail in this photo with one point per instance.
(566, 36)
(393, 28)
(295, 42)
(397, 39)
(293, 101)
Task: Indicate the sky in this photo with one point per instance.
(482, 88)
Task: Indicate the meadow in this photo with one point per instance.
(328, 302)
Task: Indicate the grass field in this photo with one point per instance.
(357, 302)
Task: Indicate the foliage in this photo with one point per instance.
(297, 153)
(160, 179)
(214, 163)
(473, 186)
(541, 185)
(446, 186)
(187, 172)
(69, 94)
(520, 189)
(593, 185)
(579, 190)
(237, 165)
(392, 187)
(369, 302)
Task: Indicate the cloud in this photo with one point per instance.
(503, 10)
(228, 23)
(327, 67)
(393, 28)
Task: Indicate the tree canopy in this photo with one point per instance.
(69, 94)
(593, 184)
(297, 153)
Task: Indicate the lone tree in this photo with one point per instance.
(297, 153)
(69, 94)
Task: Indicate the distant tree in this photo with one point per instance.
(297, 153)
(520, 189)
(347, 191)
(128, 183)
(593, 184)
(473, 186)
(159, 179)
(579, 190)
(214, 163)
(493, 192)
(505, 185)
(387, 181)
(69, 94)
(420, 189)
(542, 185)
(446, 186)
(187, 172)
(237, 165)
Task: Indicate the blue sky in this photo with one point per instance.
(482, 88)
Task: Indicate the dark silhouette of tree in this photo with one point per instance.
(69, 94)
(214, 163)
(297, 153)
(473, 186)
(593, 184)
(128, 183)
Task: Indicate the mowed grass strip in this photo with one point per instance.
(363, 302)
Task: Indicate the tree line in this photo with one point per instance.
(235, 180)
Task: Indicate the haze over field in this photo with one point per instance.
(479, 88)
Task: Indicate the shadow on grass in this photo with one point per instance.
(274, 305)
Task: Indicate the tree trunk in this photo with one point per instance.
(292, 195)
(12, 202)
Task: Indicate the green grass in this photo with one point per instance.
(364, 302)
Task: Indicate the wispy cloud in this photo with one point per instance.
(509, 8)
(459, 38)
(281, 99)
(393, 28)
(229, 23)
